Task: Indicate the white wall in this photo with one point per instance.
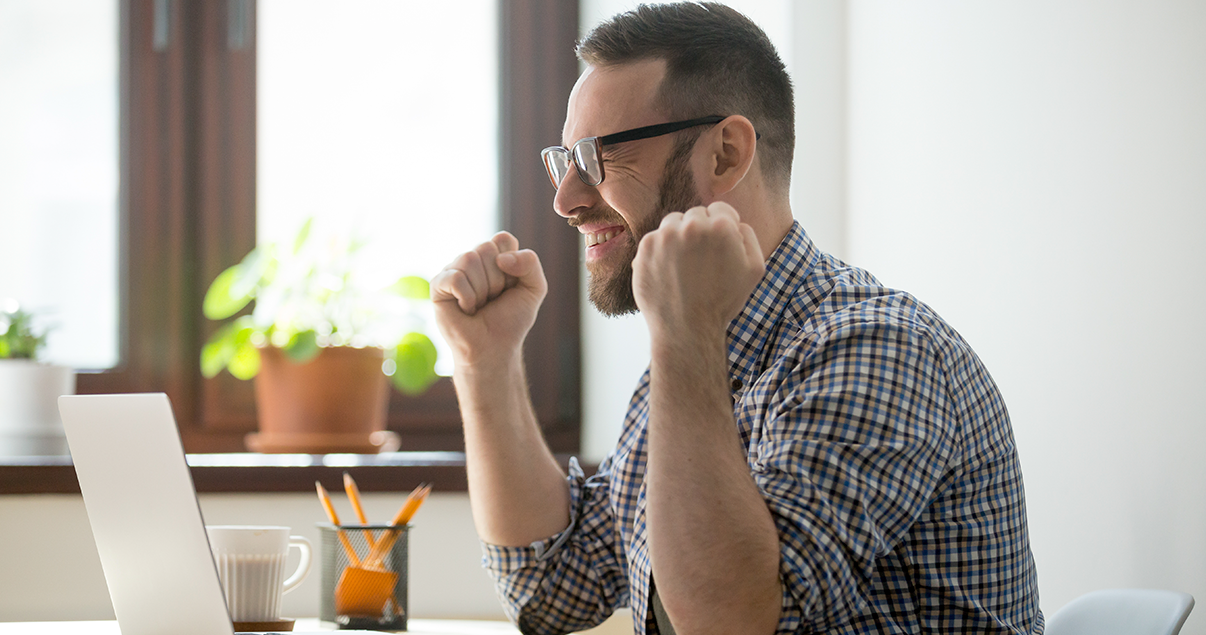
(1036, 171)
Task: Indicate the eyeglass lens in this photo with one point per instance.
(556, 161)
(585, 155)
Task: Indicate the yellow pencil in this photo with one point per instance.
(412, 504)
(326, 504)
(349, 486)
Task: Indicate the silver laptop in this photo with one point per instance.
(144, 514)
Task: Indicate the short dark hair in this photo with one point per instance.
(718, 62)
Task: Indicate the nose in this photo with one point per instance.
(573, 196)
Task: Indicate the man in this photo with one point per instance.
(809, 451)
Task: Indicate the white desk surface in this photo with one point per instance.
(416, 627)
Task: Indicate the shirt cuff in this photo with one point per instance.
(504, 560)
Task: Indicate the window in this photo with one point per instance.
(59, 174)
(189, 196)
(374, 121)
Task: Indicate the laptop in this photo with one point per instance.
(144, 514)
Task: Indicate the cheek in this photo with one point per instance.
(637, 209)
(619, 205)
(642, 221)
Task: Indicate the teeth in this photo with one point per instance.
(600, 237)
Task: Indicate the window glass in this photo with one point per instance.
(59, 173)
(380, 119)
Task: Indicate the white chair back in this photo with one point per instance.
(1122, 612)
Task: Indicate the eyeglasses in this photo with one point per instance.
(587, 154)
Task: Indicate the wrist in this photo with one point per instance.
(488, 368)
(490, 390)
(686, 340)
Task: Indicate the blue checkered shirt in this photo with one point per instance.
(883, 450)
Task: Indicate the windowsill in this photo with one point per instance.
(259, 473)
(249, 472)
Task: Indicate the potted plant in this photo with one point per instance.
(320, 342)
(29, 389)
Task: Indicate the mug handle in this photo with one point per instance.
(303, 567)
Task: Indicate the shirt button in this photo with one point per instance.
(736, 384)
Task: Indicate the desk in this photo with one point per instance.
(109, 627)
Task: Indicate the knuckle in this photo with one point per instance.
(504, 241)
(727, 224)
(486, 250)
(466, 260)
(529, 255)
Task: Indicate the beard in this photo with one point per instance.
(610, 285)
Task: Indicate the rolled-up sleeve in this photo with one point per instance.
(857, 439)
(573, 580)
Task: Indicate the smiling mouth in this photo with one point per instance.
(598, 238)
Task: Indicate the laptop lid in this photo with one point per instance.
(144, 514)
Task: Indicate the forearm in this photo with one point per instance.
(713, 543)
(517, 491)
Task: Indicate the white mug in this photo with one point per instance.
(251, 564)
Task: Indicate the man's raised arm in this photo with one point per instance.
(713, 543)
(485, 303)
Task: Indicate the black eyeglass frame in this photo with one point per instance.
(644, 132)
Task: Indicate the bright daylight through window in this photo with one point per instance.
(380, 120)
(59, 174)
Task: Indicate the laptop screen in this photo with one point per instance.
(144, 514)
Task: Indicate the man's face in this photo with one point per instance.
(645, 179)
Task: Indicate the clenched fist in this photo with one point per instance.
(486, 300)
(696, 271)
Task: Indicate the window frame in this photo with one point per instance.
(187, 211)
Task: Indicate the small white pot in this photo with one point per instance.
(29, 409)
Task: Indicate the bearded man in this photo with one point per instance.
(809, 451)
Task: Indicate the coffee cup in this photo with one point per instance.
(251, 564)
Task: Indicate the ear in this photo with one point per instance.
(725, 155)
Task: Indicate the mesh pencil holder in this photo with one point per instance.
(370, 591)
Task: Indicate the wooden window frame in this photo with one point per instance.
(187, 209)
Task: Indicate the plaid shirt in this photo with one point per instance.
(883, 450)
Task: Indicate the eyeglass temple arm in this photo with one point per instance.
(658, 130)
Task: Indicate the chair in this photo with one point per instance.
(1122, 612)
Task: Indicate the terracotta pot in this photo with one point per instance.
(336, 402)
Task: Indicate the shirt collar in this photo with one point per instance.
(786, 270)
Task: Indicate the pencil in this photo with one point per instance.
(349, 486)
(413, 501)
(326, 504)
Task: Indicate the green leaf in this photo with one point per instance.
(245, 363)
(220, 303)
(254, 268)
(213, 359)
(303, 235)
(231, 348)
(3, 349)
(216, 353)
(412, 287)
(21, 339)
(415, 357)
(302, 347)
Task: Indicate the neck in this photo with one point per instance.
(769, 214)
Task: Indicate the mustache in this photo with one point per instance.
(596, 214)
